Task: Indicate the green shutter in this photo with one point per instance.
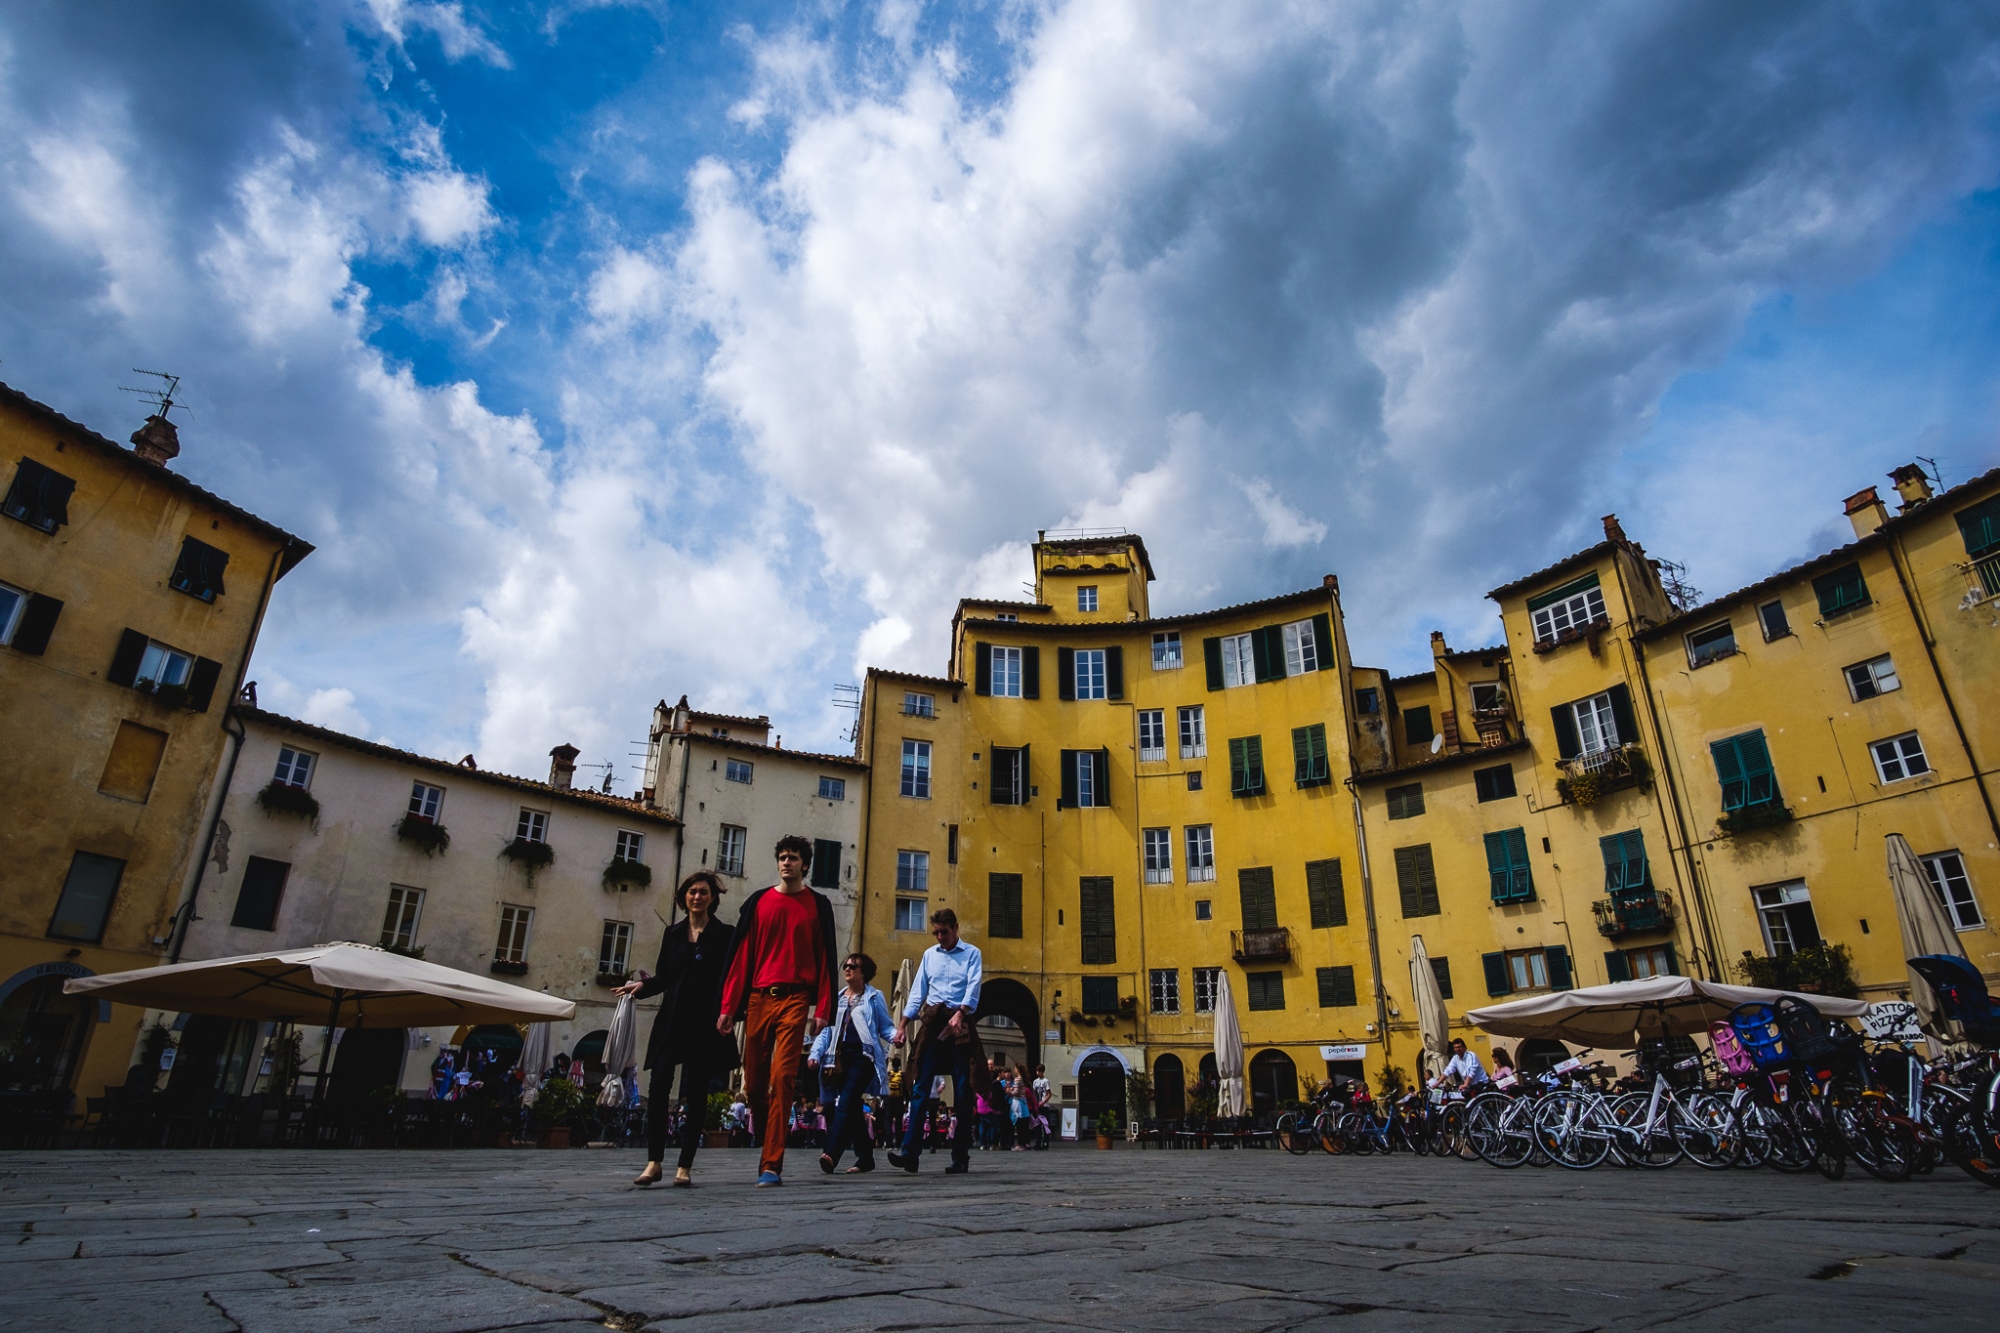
(1114, 672)
(1416, 880)
(1559, 969)
(982, 668)
(1246, 766)
(1336, 987)
(1211, 654)
(1096, 915)
(1256, 886)
(1564, 593)
(1980, 526)
(1624, 861)
(1498, 982)
(1326, 896)
(1267, 652)
(1417, 729)
(1743, 765)
(1065, 673)
(1068, 800)
(1841, 591)
(1617, 967)
(1031, 673)
(1323, 641)
(1507, 866)
(1309, 763)
(1673, 960)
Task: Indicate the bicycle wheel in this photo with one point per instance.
(1569, 1129)
(1819, 1135)
(1886, 1150)
(1327, 1127)
(1492, 1128)
(1969, 1145)
(1451, 1133)
(1707, 1132)
(1291, 1135)
(1653, 1146)
(1755, 1142)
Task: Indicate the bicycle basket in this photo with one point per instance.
(1729, 1051)
(1757, 1029)
(1811, 1037)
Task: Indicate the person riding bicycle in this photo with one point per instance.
(1463, 1071)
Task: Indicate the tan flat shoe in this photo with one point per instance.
(683, 1179)
(650, 1176)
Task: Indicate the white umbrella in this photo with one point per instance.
(1655, 1007)
(1432, 1020)
(1926, 930)
(906, 976)
(619, 1044)
(1228, 1052)
(537, 1052)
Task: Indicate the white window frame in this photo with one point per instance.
(1004, 673)
(1953, 887)
(918, 704)
(1152, 735)
(614, 946)
(912, 914)
(295, 768)
(532, 825)
(403, 915)
(630, 846)
(1086, 597)
(517, 925)
(1771, 901)
(1207, 982)
(1239, 661)
(1167, 650)
(832, 789)
(10, 615)
(1572, 613)
(1194, 732)
(1007, 615)
(1159, 854)
(1089, 673)
(426, 801)
(1088, 779)
(1876, 676)
(1495, 696)
(916, 781)
(163, 666)
(1899, 758)
(1698, 658)
(1199, 839)
(913, 871)
(1764, 620)
(1164, 987)
(739, 770)
(732, 847)
(1596, 724)
(1303, 651)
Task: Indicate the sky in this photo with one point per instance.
(614, 351)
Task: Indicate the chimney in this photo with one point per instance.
(1912, 485)
(1612, 531)
(157, 441)
(1438, 648)
(1331, 582)
(1866, 512)
(562, 765)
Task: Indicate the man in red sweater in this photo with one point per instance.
(780, 987)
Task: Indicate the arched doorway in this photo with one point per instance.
(1538, 1055)
(590, 1050)
(1169, 1088)
(42, 1033)
(1004, 997)
(1274, 1080)
(1100, 1087)
(491, 1050)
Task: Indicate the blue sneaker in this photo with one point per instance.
(769, 1178)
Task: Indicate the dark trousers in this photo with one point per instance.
(849, 1127)
(955, 1059)
(694, 1108)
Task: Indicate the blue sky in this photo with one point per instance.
(611, 351)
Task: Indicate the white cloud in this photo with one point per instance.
(334, 708)
(458, 35)
(448, 208)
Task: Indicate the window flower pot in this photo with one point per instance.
(1105, 1142)
(426, 836)
(527, 852)
(622, 875)
(282, 798)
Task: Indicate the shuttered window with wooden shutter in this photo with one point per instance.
(1097, 918)
(1416, 880)
(1326, 896)
(1257, 888)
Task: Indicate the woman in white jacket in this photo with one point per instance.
(853, 1058)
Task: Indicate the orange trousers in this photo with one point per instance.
(774, 1040)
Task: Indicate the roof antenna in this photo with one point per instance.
(157, 441)
(1936, 476)
(161, 398)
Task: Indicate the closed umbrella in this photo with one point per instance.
(619, 1044)
(1614, 1015)
(1926, 930)
(537, 1054)
(1432, 1020)
(906, 975)
(1228, 1052)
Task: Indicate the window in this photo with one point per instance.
(911, 914)
(630, 846)
(198, 571)
(1303, 650)
(1165, 984)
(1368, 703)
(1899, 757)
(1007, 615)
(739, 770)
(1204, 909)
(730, 846)
(1003, 906)
(1841, 591)
(1194, 733)
(425, 800)
(1771, 615)
(1416, 880)
(133, 763)
(1441, 969)
(1786, 914)
(1194, 780)
(1004, 675)
(913, 872)
(1494, 784)
(1326, 896)
(1086, 778)
(1417, 729)
(1406, 802)
(1264, 990)
(1152, 735)
(1200, 843)
(163, 666)
(1980, 527)
(12, 600)
(1487, 696)
(1207, 985)
(1257, 893)
(1167, 653)
(921, 705)
(1239, 664)
(1876, 676)
(512, 946)
(1705, 645)
(1507, 866)
(1528, 969)
(1568, 609)
(1309, 762)
(1743, 766)
(39, 496)
(1643, 964)
(1625, 868)
(1100, 995)
(1009, 784)
(614, 949)
(1086, 597)
(1596, 724)
(1097, 916)
(295, 767)
(1159, 844)
(833, 789)
(917, 769)
(1089, 673)
(532, 825)
(1246, 766)
(86, 898)
(399, 923)
(1954, 889)
(263, 888)
(827, 854)
(1336, 987)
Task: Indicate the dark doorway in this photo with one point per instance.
(1346, 1071)
(365, 1061)
(1004, 997)
(1274, 1080)
(1538, 1055)
(41, 1035)
(1169, 1088)
(213, 1055)
(590, 1051)
(1100, 1087)
(491, 1051)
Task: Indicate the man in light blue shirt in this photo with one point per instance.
(944, 996)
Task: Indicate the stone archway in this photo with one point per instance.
(1004, 997)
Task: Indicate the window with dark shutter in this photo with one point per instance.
(1003, 906)
(1266, 990)
(1743, 766)
(1065, 673)
(1267, 652)
(1097, 917)
(1624, 861)
(263, 889)
(202, 680)
(1493, 784)
(1257, 887)
(1621, 714)
(1007, 782)
(198, 572)
(124, 669)
(1336, 987)
(1441, 969)
(1100, 995)
(1068, 799)
(1617, 967)
(1326, 896)
(1417, 729)
(1499, 979)
(1309, 762)
(1841, 591)
(1114, 672)
(1559, 969)
(1416, 880)
(1246, 766)
(826, 863)
(39, 496)
(982, 668)
(1507, 866)
(1031, 673)
(1980, 527)
(38, 623)
(1211, 655)
(1407, 801)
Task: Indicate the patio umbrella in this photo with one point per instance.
(537, 1052)
(619, 1044)
(341, 985)
(1615, 1015)
(1926, 930)
(1432, 1020)
(1228, 1052)
(906, 975)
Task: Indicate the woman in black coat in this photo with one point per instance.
(694, 958)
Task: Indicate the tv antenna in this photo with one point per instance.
(848, 698)
(1936, 476)
(162, 398)
(1673, 581)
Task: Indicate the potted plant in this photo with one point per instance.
(713, 1135)
(1107, 1129)
(530, 853)
(282, 798)
(427, 836)
(556, 1101)
(622, 874)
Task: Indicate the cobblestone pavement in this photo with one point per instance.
(458, 1242)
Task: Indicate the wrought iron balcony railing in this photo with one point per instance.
(1261, 946)
(1634, 911)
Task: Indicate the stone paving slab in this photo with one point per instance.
(463, 1242)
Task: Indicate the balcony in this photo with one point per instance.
(1261, 946)
(1589, 777)
(1632, 912)
(1982, 578)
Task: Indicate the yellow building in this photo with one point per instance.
(130, 599)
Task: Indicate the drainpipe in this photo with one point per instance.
(1368, 910)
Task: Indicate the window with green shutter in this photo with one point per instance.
(1416, 880)
(1326, 896)
(1100, 995)
(1336, 987)
(1980, 526)
(1507, 864)
(1309, 763)
(1407, 801)
(1257, 887)
(1441, 969)
(1417, 729)
(1841, 591)
(1003, 906)
(1625, 862)
(1266, 989)
(1743, 765)
(1493, 784)
(1246, 766)
(1097, 917)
